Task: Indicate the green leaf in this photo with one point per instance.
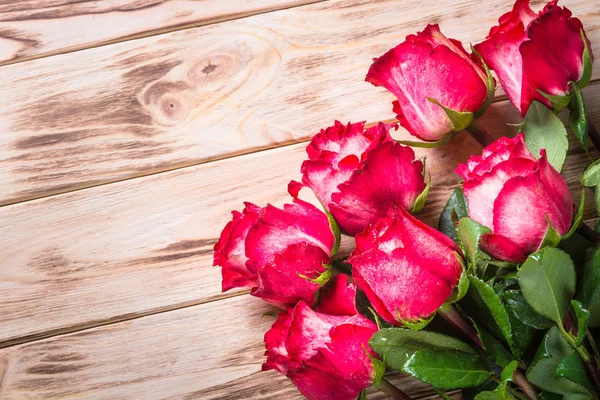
(459, 120)
(450, 369)
(397, 345)
(493, 347)
(502, 391)
(463, 285)
(490, 85)
(516, 303)
(577, 218)
(572, 368)
(428, 145)
(582, 316)
(547, 281)
(597, 200)
(469, 233)
(420, 201)
(457, 203)
(496, 309)
(543, 370)
(591, 176)
(551, 237)
(586, 76)
(578, 117)
(544, 130)
(558, 102)
(590, 286)
(379, 367)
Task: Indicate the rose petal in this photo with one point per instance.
(558, 192)
(502, 248)
(338, 297)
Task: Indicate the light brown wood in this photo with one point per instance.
(207, 352)
(38, 28)
(178, 99)
(145, 245)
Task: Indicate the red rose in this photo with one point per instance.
(275, 251)
(515, 195)
(406, 268)
(535, 52)
(358, 173)
(426, 66)
(325, 355)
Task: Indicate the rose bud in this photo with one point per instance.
(357, 174)
(279, 253)
(326, 355)
(533, 53)
(406, 268)
(425, 72)
(516, 196)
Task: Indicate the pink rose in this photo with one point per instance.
(275, 251)
(406, 268)
(426, 66)
(532, 52)
(515, 195)
(325, 354)
(358, 173)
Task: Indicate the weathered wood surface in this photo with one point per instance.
(145, 245)
(38, 28)
(207, 352)
(167, 101)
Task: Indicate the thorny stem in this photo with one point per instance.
(450, 314)
(479, 134)
(390, 390)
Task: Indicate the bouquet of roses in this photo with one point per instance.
(503, 299)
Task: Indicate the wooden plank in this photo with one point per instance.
(179, 99)
(32, 29)
(209, 352)
(145, 245)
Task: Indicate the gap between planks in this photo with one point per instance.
(159, 31)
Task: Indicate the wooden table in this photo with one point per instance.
(129, 130)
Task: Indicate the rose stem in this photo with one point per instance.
(588, 233)
(391, 390)
(452, 316)
(479, 134)
(593, 134)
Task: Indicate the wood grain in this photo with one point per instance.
(207, 352)
(168, 101)
(144, 246)
(38, 28)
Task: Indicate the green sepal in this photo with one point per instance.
(462, 287)
(490, 85)
(544, 130)
(455, 209)
(591, 176)
(378, 367)
(428, 145)
(547, 281)
(323, 278)
(578, 117)
(583, 317)
(418, 325)
(551, 237)
(586, 75)
(577, 218)
(380, 325)
(270, 314)
(443, 395)
(557, 102)
(460, 120)
(421, 199)
(362, 395)
(335, 229)
(469, 233)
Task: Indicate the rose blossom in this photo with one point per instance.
(427, 66)
(324, 352)
(515, 195)
(275, 251)
(535, 52)
(358, 173)
(406, 268)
